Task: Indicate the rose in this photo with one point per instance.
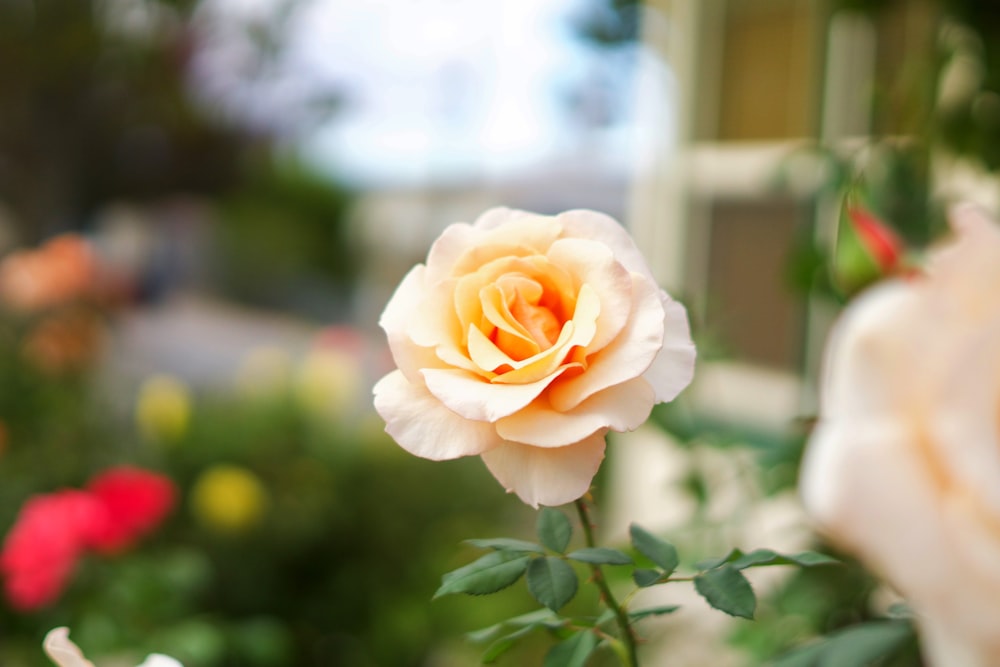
(65, 653)
(525, 339)
(904, 466)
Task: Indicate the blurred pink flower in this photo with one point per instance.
(903, 469)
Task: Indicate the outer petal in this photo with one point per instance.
(623, 407)
(474, 398)
(62, 651)
(627, 357)
(547, 476)
(423, 426)
(395, 319)
(673, 368)
(495, 217)
(599, 227)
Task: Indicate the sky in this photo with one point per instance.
(429, 89)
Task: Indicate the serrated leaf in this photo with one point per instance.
(506, 544)
(504, 644)
(644, 578)
(491, 573)
(659, 551)
(763, 557)
(652, 611)
(712, 563)
(600, 556)
(554, 529)
(572, 652)
(551, 581)
(726, 589)
(543, 617)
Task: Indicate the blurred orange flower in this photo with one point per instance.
(61, 270)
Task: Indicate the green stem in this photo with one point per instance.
(631, 658)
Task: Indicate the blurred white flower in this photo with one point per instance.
(65, 653)
(904, 467)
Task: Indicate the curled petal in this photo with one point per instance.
(628, 356)
(623, 407)
(673, 367)
(474, 398)
(62, 650)
(423, 426)
(596, 267)
(584, 224)
(395, 319)
(547, 476)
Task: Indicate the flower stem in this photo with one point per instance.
(627, 635)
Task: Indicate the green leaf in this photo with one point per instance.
(539, 617)
(554, 529)
(712, 563)
(600, 556)
(660, 552)
(507, 544)
(861, 645)
(491, 573)
(572, 652)
(504, 644)
(644, 578)
(761, 557)
(551, 581)
(726, 589)
(652, 611)
(857, 646)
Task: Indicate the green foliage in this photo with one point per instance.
(600, 556)
(659, 551)
(726, 589)
(857, 646)
(554, 529)
(572, 652)
(491, 573)
(552, 582)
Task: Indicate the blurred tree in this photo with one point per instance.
(93, 106)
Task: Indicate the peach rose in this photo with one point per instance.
(904, 466)
(524, 339)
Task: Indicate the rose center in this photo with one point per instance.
(533, 314)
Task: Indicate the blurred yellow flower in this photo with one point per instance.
(163, 409)
(329, 382)
(228, 498)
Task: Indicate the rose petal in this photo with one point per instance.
(673, 367)
(623, 407)
(594, 226)
(395, 319)
(424, 427)
(594, 265)
(160, 660)
(62, 651)
(628, 356)
(477, 399)
(547, 476)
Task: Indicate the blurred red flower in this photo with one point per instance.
(136, 501)
(42, 549)
(53, 531)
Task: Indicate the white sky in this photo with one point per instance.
(435, 87)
